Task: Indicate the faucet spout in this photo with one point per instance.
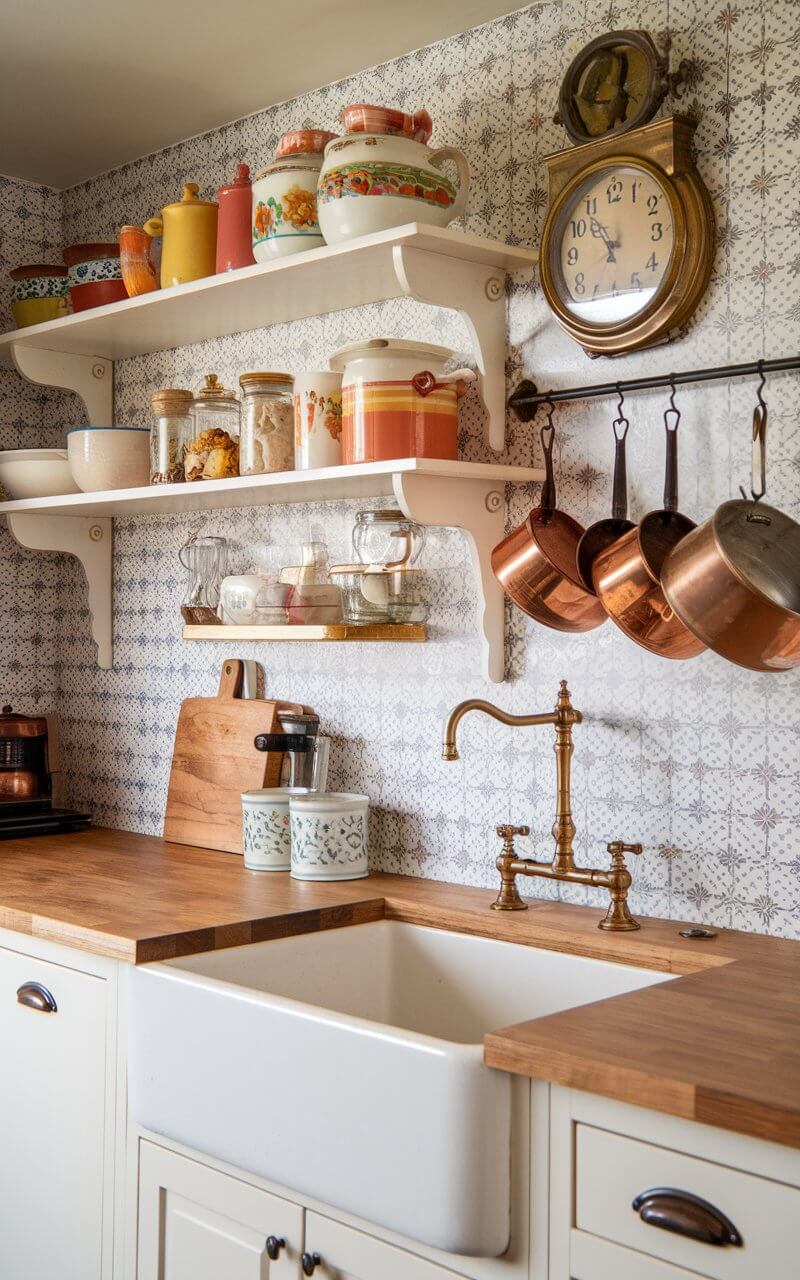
(449, 747)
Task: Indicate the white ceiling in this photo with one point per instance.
(91, 84)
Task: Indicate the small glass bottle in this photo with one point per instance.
(213, 452)
(170, 434)
(267, 437)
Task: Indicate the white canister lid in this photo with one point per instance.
(376, 347)
(326, 801)
(264, 794)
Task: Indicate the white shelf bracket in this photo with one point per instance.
(477, 507)
(90, 540)
(88, 376)
(478, 292)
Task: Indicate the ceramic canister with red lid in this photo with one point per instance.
(234, 237)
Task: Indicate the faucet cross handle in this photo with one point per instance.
(507, 834)
(618, 849)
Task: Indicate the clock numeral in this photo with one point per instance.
(580, 287)
(591, 206)
(635, 281)
(656, 231)
(614, 290)
(578, 228)
(652, 262)
(572, 257)
(595, 290)
(634, 188)
(652, 205)
(614, 191)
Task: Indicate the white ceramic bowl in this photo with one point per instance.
(35, 473)
(109, 457)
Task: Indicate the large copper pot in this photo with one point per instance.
(735, 581)
(536, 566)
(627, 575)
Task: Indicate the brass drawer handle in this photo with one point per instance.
(686, 1215)
(34, 996)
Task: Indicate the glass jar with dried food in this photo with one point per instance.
(267, 440)
(213, 452)
(170, 434)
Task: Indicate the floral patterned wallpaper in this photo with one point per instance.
(698, 760)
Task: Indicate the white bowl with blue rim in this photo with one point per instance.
(103, 458)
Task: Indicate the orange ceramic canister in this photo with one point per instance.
(234, 234)
(189, 237)
(397, 401)
(139, 268)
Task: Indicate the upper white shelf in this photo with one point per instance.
(292, 288)
(361, 480)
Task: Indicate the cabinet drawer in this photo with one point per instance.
(611, 1171)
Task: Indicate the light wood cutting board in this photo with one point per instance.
(214, 761)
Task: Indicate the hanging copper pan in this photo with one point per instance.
(535, 564)
(603, 533)
(735, 581)
(627, 575)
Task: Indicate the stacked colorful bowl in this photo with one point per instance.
(94, 275)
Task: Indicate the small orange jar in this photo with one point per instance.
(397, 401)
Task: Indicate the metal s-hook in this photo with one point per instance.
(758, 462)
(620, 424)
(672, 407)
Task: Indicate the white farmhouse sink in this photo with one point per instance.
(348, 1065)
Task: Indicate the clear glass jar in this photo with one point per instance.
(387, 537)
(213, 451)
(205, 559)
(170, 434)
(267, 439)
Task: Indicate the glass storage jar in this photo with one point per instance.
(267, 439)
(387, 537)
(374, 594)
(213, 452)
(170, 434)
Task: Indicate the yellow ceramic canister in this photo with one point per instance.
(189, 237)
(38, 293)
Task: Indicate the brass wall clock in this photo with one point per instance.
(628, 243)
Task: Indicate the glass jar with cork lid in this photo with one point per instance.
(267, 438)
(170, 434)
(213, 452)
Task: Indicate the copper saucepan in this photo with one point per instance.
(535, 564)
(735, 581)
(603, 533)
(627, 575)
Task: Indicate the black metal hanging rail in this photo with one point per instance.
(527, 398)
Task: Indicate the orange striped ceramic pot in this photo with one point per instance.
(397, 401)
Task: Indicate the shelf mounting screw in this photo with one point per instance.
(96, 533)
(495, 288)
(493, 500)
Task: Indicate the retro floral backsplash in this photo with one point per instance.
(700, 761)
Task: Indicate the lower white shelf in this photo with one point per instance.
(460, 495)
(402, 633)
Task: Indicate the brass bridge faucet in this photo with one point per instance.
(617, 879)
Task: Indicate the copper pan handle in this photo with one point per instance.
(619, 490)
(671, 472)
(758, 458)
(547, 501)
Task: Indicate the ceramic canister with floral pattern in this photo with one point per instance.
(317, 420)
(266, 828)
(329, 836)
(285, 197)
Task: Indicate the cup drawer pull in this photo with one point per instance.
(686, 1215)
(34, 996)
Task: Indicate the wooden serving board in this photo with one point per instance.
(214, 761)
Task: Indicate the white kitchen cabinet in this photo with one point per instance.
(196, 1223)
(55, 1200)
(336, 1252)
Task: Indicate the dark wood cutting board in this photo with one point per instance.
(214, 761)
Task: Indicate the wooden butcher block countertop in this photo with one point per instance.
(721, 1044)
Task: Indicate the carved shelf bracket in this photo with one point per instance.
(90, 540)
(477, 507)
(478, 293)
(90, 377)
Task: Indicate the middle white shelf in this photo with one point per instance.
(462, 495)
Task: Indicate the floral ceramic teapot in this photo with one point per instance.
(382, 174)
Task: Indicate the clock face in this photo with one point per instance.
(613, 245)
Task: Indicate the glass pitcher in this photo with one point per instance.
(205, 559)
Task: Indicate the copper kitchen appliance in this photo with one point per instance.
(29, 768)
(603, 533)
(627, 575)
(735, 580)
(536, 564)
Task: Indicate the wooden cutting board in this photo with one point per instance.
(214, 761)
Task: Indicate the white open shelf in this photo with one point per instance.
(433, 265)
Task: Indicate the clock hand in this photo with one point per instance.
(600, 232)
